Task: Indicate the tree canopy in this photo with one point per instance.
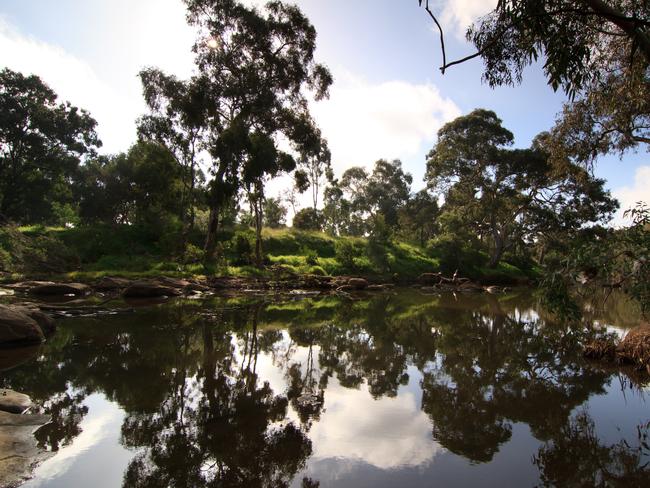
(42, 142)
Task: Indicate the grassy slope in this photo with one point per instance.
(87, 253)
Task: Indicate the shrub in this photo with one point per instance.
(345, 253)
(317, 270)
(193, 254)
(311, 256)
(454, 254)
(308, 219)
(243, 250)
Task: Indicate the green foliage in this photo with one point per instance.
(274, 213)
(308, 219)
(346, 252)
(455, 255)
(242, 249)
(311, 256)
(193, 254)
(42, 143)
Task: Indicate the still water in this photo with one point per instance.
(404, 390)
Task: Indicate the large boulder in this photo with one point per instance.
(44, 321)
(76, 289)
(150, 290)
(18, 328)
(14, 402)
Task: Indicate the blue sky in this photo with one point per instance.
(388, 100)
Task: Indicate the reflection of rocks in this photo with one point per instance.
(10, 358)
(18, 450)
(18, 328)
(14, 402)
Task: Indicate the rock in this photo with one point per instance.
(357, 283)
(109, 283)
(173, 282)
(76, 289)
(28, 285)
(14, 402)
(12, 357)
(429, 278)
(19, 452)
(197, 287)
(376, 288)
(44, 321)
(18, 328)
(149, 290)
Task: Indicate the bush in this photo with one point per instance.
(454, 254)
(345, 252)
(193, 254)
(317, 270)
(308, 219)
(243, 250)
(311, 256)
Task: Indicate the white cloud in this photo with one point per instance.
(629, 196)
(71, 78)
(457, 15)
(366, 121)
(386, 433)
(113, 97)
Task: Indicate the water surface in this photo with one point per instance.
(404, 390)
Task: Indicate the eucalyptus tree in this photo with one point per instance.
(314, 165)
(42, 143)
(597, 51)
(178, 119)
(509, 195)
(257, 66)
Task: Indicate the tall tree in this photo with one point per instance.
(509, 195)
(178, 120)
(597, 51)
(41, 145)
(257, 66)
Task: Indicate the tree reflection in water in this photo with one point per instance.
(199, 412)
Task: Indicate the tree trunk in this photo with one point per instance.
(497, 252)
(211, 238)
(258, 225)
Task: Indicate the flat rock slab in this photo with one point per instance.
(111, 283)
(14, 402)
(19, 452)
(76, 289)
(150, 290)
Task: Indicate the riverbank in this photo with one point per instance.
(88, 254)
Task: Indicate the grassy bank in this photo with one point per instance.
(87, 253)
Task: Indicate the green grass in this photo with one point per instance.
(88, 253)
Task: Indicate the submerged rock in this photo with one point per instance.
(18, 328)
(19, 452)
